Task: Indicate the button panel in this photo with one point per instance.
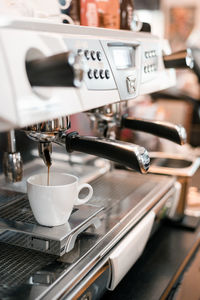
(150, 63)
(150, 53)
(91, 54)
(95, 73)
(98, 75)
(150, 68)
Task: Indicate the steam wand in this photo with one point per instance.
(12, 161)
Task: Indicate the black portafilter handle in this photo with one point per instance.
(180, 59)
(127, 154)
(60, 70)
(166, 130)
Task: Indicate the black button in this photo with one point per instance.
(90, 74)
(87, 54)
(107, 74)
(102, 74)
(96, 73)
(80, 52)
(93, 55)
(99, 55)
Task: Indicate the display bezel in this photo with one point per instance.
(123, 56)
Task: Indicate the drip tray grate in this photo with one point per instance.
(18, 264)
(19, 211)
(19, 227)
(9, 196)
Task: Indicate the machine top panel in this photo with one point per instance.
(49, 26)
(119, 65)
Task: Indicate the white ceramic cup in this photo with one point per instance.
(52, 204)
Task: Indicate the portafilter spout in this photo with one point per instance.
(45, 133)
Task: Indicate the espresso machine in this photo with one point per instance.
(52, 71)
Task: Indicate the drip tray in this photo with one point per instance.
(19, 227)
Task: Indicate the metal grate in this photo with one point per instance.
(18, 211)
(25, 240)
(18, 264)
(9, 196)
(112, 188)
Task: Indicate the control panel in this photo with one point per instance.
(98, 73)
(150, 55)
(124, 59)
(110, 65)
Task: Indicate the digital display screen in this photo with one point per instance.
(124, 57)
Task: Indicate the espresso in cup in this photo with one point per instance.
(52, 204)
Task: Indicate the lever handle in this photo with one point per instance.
(127, 154)
(180, 59)
(60, 70)
(166, 130)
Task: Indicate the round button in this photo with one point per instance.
(93, 54)
(102, 74)
(107, 73)
(96, 73)
(87, 54)
(145, 69)
(99, 55)
(146, 54)
(90, 74)
(150, 54)
(80, 52)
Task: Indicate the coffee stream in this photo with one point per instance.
(48, 162)
(48, 174)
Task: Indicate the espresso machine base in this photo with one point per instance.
(127, 199)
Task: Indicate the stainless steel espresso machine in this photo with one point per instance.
(50, 72)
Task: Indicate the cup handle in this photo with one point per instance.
(88, 197)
